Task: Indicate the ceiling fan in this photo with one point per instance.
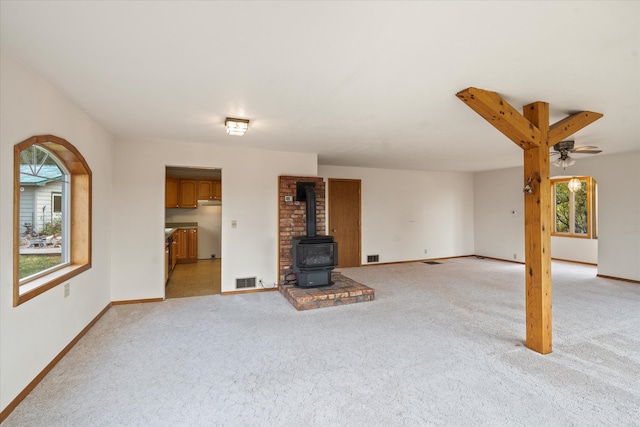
(563, 148)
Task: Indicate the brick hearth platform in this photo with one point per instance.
(343, 291)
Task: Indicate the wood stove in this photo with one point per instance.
(314, 257)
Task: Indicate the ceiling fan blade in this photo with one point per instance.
(584, 148)
(588, 151)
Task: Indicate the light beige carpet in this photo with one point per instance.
(440, 345)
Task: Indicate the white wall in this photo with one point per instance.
(249, 194)
(32, 334)
(618, 210)
(405, 212)
(500, 234)
(209, 219)
(498, 214)
(571, 249)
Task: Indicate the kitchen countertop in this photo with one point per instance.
(181, 225)
(171, 227)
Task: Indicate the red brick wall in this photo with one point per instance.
(292, 216)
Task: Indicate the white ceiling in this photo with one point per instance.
(360, 83)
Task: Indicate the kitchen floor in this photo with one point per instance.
(195, 279)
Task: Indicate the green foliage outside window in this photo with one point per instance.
(581, 210)
(53, 228)
(563, 219)
(571, 209)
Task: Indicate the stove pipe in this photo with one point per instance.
(305, 191)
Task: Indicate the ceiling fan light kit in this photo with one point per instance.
(564, 162)
(563, 148)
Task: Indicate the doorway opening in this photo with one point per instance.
(193, 231)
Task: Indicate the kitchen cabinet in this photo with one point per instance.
(205, 190)
(171, 193)
(166, 263)
(209, 190)
(217, 189)
(188, 194)
(180, 241)
(185, 193)
(192, 245)
(186, 244)
(174, 252)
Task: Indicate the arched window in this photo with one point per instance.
(52, 215)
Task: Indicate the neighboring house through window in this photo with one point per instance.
(52, 215)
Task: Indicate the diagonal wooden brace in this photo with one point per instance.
(502, 116)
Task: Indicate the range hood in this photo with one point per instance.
(207, 202)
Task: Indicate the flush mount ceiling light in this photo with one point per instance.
(236, 127)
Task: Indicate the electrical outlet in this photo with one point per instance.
(515, 256)
(425, 251)
(213, 256)
(67, 290)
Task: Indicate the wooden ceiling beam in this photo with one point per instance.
(570, 125)
(494, 109)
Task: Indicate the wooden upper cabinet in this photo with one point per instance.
(209, 190)
(217, 189)
(205, 190)
(185, 193)
(188, 194)
(171, 193)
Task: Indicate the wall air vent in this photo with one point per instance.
(373, 258)
(248, 282)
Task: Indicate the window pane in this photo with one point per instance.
(581, 210)
(42, 211)
(56, 202)
(562, 195)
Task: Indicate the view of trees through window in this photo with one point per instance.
(572, 209)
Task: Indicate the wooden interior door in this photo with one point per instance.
(344, 220)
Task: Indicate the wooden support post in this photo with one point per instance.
(531, 131)
(537, 228)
